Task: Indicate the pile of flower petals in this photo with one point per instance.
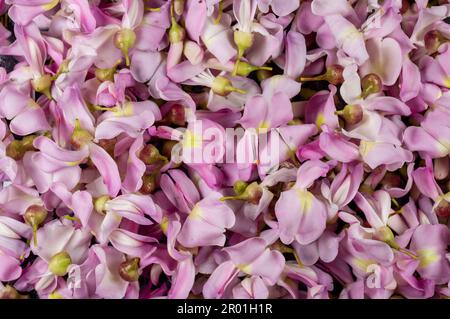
(97, 98)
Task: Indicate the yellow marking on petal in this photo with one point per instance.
(363, 263)
(117, 217)
(247, 268)
(50, 5)
(71, 164)
(365, 147)
(191, 140)
(320, 120)
(264, 125)
(125, 110)
(164, 224)
(196, 212)
(447, 82)
(306, 200)
(32, 104)
(351, 33)
(427, 257)
(55, 295)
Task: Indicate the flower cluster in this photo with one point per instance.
(342, 187)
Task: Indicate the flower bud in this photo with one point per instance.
(244, 68)
(239, 187)
(251, 194)
(176, 33)
(17, 148)
(105, 74)
(371, 84)
(384, 234)
(243, 40)
(391, 180)
(335, 74)
(59, 264)
(176, 115)
(124, 40)
(352, 114)
(80, 137)
(148, 184)
(261, 75)
(35, 216)
(150, 155)
(43, 85)
(167, 148)
(129, 270)
(443, 209)
(222, 86)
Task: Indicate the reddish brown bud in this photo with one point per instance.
(443, 209)
(150, 155)
(129, 270)
(371, 84)
(335, 74)
(176, 115)
(148, 184)
(352, 114)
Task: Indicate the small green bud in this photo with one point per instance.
(150, 155)
(222, 86)
(124, 40)
(240, 187)
(59, 264)
(244, 68)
